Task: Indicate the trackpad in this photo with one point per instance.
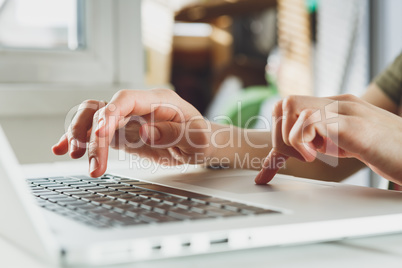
(246, 185)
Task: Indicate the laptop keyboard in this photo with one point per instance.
(112, 201)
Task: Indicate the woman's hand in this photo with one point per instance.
(343, 126)
(156, 124)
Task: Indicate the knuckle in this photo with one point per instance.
(173, 130)
(75, 131)
(277, 108)
(90, 103)
(289, 102)
(352, 107)
(97, 114)
(341, 135)
(349, 97)
(293, 138)
(163, 92)
(305, 114)
(121, 93)
(92, 148)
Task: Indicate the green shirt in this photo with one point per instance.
(390, 81)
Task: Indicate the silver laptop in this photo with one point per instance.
(78, 220)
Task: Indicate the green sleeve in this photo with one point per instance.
(390, 81)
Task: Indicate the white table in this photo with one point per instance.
(380, 251)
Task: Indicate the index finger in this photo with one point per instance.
(274, 161)
(127, 103)
(98, 149)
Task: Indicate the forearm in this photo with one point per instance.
(319, 170)
(238, 148)
(246, 149)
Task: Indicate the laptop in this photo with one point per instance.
(120, 218)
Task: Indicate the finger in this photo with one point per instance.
(271, 166)
(189, 137)
(303, 133)
(162, 102)
(277, 136)
(98, 149)
(61, 147)
(79, 127)
(292, 106)
(289, 116)
(312, 135)
(167, 134)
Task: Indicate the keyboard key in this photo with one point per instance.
(38, 182)
(61, 198)
(37, 179)
(136, 200)
(50, 194)
(253, 210)
(85, 208)
(186, 204)
(184, 214)
(92, 187)
(124, 207)
(149, 204)
(61, 179)
(213, 211)
(135, 182)
(135, 212)
(134, 190)
(173, 191)
(111, 204)
(126, 197)
(200, 208)
(156, 217)
(39, 192)
(76, 183)
(235, 207)
(100, 200)
(172, 200)
(73, 192)
(35, 187)
(106, 183)
(48, 183)
(70, 203)
(116, 194)
(57, 186)
(162, 208)
(84, 195)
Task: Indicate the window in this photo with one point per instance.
(42, 24)
(62, 46)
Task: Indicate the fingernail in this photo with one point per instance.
(264, 177)
(74, 145)
(93, 164)
(152, 133)
(257, 179)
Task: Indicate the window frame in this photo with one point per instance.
(113, 28)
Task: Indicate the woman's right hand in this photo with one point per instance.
(156, 124)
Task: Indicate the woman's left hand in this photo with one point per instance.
(342, 126)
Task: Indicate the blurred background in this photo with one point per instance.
(231, 58)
